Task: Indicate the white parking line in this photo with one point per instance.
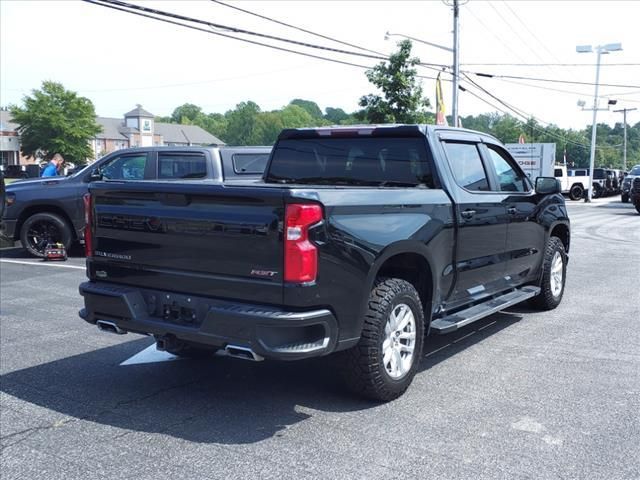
(40, 264)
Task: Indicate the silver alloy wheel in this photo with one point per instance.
(399, 341)
(557, 274)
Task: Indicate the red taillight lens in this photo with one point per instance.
(88, 225)
(300, 255)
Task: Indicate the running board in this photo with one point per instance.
(459, 319)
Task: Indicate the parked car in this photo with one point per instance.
(634, 194)
(20, 171)
(3, 201)
(359, 242)
(573, 182)
(50, 210)
(626, 183)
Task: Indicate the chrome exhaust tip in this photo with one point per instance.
(109, 327)
(244, 353)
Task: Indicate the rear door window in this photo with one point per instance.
(467, 166)
(367, 161)
(181, 165)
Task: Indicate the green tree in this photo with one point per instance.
(241, 123)
(187, 111)
(312, 108)
(335, 115)
(401, 100)
(55, 120)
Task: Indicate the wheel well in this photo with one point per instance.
(43, 209)
(578, 184)
(562, 232)
(414, 269)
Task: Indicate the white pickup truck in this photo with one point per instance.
(574, 182)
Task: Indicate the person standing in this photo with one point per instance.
(51, 170)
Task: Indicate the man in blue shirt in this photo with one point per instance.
(51, 170)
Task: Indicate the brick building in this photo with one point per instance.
(138, 128)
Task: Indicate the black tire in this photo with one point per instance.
(548, 299)
(576, 192)
(43, 228)
(192, 350)
(363, 365)
(625, 198)
(637, 205)
(597, 191)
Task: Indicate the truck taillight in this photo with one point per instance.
(88, 225)
(300, 255)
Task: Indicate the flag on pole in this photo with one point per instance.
(441, 118)
(521, 139)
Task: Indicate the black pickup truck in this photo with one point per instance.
(359, 242)
(50, 210)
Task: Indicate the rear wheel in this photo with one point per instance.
(625, 198)
(576, 192)
(554, 269)
(385, 360)
(41, 229)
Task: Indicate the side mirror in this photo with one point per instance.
(548, 185)
(95, 175)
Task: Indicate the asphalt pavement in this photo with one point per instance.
(521, 394)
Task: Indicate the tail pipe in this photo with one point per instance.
(110, 327)
(244, 353)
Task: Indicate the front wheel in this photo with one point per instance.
(554, 270)
(576, 192)
(42, 229)
(637, 205)
(625, 198)
(385, 360)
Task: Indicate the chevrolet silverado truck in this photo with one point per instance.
(51, 210)
(359, 242)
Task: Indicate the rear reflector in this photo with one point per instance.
(300, 255)
(88, 225)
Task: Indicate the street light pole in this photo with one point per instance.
(594, 128)
(456, 62)
(624, 148)
(600, 50)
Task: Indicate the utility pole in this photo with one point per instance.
(456, 61)
(624, 148)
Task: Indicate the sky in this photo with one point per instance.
(119, 60)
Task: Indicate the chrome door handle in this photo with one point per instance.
(468, 213)
(512, 210)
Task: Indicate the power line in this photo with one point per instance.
(526, 116)
(551, 80)
(498, 64)
(233, 29)
(264, 17)
(211, 32)
(245, 40)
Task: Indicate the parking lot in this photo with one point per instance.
(520, 394)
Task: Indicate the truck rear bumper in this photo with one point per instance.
(270, 332)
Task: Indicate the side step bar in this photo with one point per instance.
(459, 319)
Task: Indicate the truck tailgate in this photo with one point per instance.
(210, 240)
